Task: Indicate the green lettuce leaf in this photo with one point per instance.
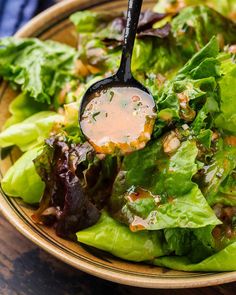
(226, 120)
(197, 244)
(228, 186)
(100, 37)
(30, 132)
(226, 194)
(195, 85)
(225, 7)
(86, 21)
(224, 260)
(22, 180)
(93, 28)
(40, 68)
(200, 23)
(115, 238)
(175, 201)
(224, 199)
(23, 107)
(195, 67)
(219, 168)
(155, 55)
(91, 22)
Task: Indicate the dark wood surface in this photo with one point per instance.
(25, 269)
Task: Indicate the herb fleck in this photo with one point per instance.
(94, 115)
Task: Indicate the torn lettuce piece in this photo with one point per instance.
(226, 119)
(86, 21)
(180, 98)
(23, 107)
(188, 211)
(100, 42)
(155, 55)
(109, 27)
(168, 198)
(228, 186)
(225, 7)
(215, 172)
(78, 185)
(116, 238)
(39, 68)
(175, 180)
(197, 244)
(30, 132)
(200, 23)
(91, 22)
(99, 34)
(22, 180)
(224, 260)
(205, 138)
(224, 199)
(193, 66)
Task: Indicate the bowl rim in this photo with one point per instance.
(34, 28)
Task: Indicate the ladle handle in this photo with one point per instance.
(134, 7)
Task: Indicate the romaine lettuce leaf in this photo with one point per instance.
(40, 68)
(111, 236)
(30, 132)
(22, 180)
(224, 260)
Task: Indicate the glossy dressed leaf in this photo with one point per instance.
(180, 98)
(175, 201)
(215, 172)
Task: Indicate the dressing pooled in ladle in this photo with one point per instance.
(117, 114)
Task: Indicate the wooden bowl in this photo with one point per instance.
(54, 24)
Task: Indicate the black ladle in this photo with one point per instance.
(123, 77)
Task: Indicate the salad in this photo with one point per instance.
(171, 203)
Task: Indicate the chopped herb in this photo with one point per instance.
(95, 115)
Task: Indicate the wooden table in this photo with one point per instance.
(25, 269)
